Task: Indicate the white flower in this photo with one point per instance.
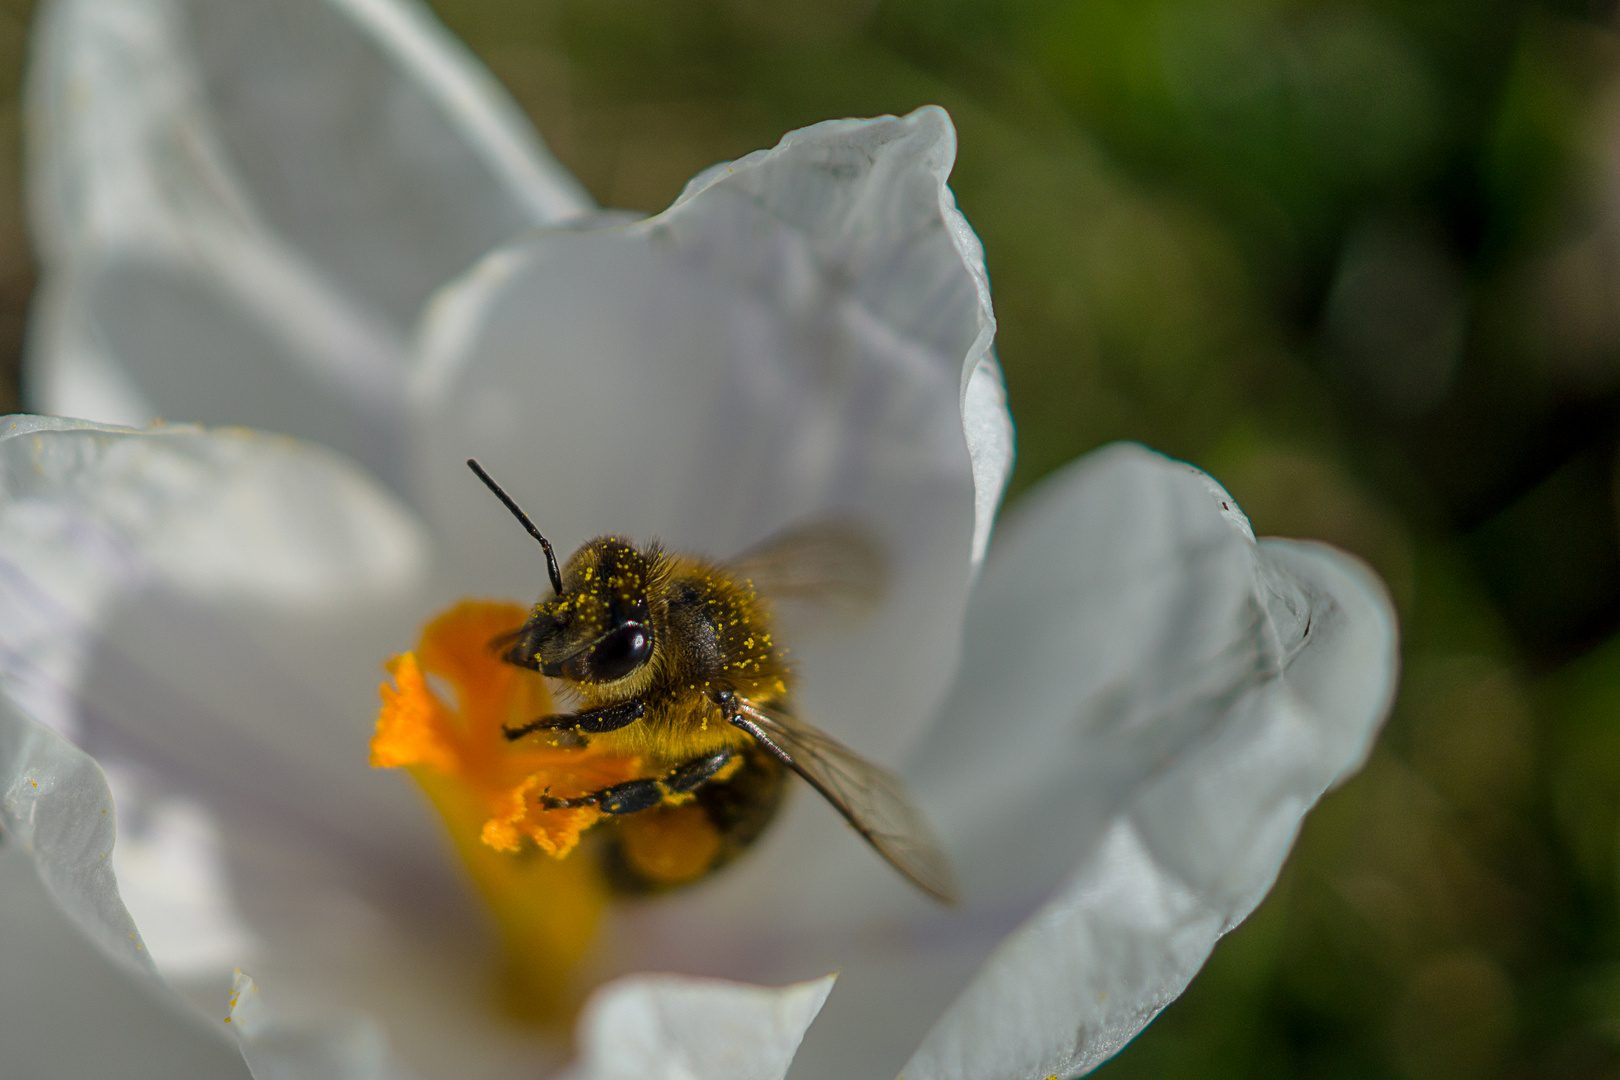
(321, 218)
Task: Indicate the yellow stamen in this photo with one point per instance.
(488, 788)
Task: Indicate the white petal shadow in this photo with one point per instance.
(219, 335)
(242, 206)
(666, 1027)
(1172, 702)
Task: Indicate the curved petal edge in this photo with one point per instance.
(670, 1027)
(55, 802)
(1230, 747)
(922, 143)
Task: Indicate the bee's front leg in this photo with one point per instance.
(636, 795)
(588, 722)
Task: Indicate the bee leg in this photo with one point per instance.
(733, 806)
(694, 773)
(635, 795)
(630, 796)
(589, 722)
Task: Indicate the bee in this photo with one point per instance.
(671, 658)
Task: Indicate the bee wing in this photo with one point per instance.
(870, 797)
(833, 565)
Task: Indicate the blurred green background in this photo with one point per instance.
(1359, 260)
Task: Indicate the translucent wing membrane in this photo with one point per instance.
(870, 797)
(833, 566)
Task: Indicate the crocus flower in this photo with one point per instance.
(323, 219)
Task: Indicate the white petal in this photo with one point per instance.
(221, 333)
(336, 1048)
(380, 944)
(989, 430)
(665, 1027)
(171, 874)
(891, 251)
(242, 206)
(212, 607)
(1154, 700)
(56, 807)
(67, 1007)
(792, 339)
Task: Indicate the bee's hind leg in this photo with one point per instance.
(588, 722)
(636, 795)
(671, 846)
(689, 777)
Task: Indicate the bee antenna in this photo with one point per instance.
(551, 556)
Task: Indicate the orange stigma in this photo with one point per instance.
(442, 720)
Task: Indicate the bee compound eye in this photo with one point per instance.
(620, 652)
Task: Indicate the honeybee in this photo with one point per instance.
(671, 658)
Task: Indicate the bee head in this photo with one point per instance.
(596, 628)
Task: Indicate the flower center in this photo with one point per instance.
(488, 788)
